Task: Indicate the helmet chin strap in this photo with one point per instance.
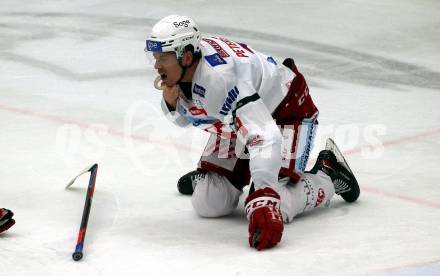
(184, 69)
(183, 72)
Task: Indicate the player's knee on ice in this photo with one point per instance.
(215, 196)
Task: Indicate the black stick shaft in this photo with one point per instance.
(77, 255)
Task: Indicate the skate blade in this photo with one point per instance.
(331, 146)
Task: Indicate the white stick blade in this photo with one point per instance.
(81, 173)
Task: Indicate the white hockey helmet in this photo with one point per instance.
(172, 33)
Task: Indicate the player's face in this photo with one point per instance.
(168, 67)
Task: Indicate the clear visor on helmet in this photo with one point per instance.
(161, 60)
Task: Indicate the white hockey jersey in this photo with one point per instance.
(235, 89)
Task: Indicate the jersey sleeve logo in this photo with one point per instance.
(215, 59)
(230, 99)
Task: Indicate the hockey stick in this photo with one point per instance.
(88, 169)
(78, 254)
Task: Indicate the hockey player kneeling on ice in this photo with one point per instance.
(6, 220)
(262, 122)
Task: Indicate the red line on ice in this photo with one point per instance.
(400, 140)
(396, 141)
(414, 200)
(114, 132)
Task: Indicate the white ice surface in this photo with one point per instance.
(75, 89)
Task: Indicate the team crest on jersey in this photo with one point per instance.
(215, 59)
(199, 90)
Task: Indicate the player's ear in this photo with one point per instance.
(187, 58)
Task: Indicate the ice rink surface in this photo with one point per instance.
(76, 89)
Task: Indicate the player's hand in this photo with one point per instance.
(6, 220)
(265, 220)
(170, 95)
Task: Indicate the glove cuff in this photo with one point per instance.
(266, 197)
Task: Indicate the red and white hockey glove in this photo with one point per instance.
(6, 220)
(266, 227)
